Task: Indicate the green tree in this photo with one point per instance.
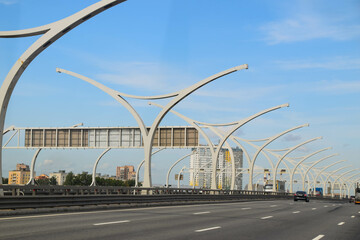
(5, 180)
(44, 181)
(52, 180)
(69, 180)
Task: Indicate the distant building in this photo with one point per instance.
(201, 168)
(21, 175)
(60, 177)
(125, 173)
(42, 176)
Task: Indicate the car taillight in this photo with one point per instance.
(305, 195)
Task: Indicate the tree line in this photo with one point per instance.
(82, 179)
(85, 179)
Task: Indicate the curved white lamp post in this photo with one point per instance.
(174, 164)
(142, 163)
(270, 140)
(347, 182)
(236, 127)
(93, 183)
(264, 151)
(312, 165)
(215, 152)
(33, 161)
(288, 152)
(148, 133)
(51, 32)
(203, 134)
(32, 167)
(331, 174)
(301, 161)
(340, 176)
(178, 183)
(232, 157)
(322, 170)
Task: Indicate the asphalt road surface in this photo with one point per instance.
(281, 219)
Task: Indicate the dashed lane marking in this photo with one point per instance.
(245, 208)
(341, 223)
(313, 208)
(318, 237)
(106, 223)
(273, 206)
(267, 217)
(207, 229)
(296, 212)
(120, 210)
(352, 216)
(199, 213)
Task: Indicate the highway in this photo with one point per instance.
(280, 219)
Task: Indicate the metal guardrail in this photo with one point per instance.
(28, 196)
(34, 190)
(61, 201)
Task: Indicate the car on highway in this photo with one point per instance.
(301, 195)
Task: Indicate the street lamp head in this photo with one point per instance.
(240, 67)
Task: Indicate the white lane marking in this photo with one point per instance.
(207, 229)
(273, 206)
(106, 223)
(245, 208)
(125, 210)
(341, 223)
(313, 208)
(267, 217)
(334, 205)
(296, 212)
(359, 212)
(352, 216)
(198, 213)
(318, 237)
(325, 206)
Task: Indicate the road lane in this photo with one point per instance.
(227, 221)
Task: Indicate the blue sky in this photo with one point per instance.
(305, 53)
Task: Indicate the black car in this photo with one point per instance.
(301, 195)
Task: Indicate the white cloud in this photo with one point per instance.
(47, 163)
(243, 94)
(144, 76)
(339, 87)
(291, 137)
(105, 166)
(336, 63)
(303, 27)
(8, 2)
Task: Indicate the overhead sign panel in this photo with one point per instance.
(119, 137)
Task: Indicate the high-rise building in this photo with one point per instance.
(60, 177)
(125, 173)
(201, 168)
(21, 175)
